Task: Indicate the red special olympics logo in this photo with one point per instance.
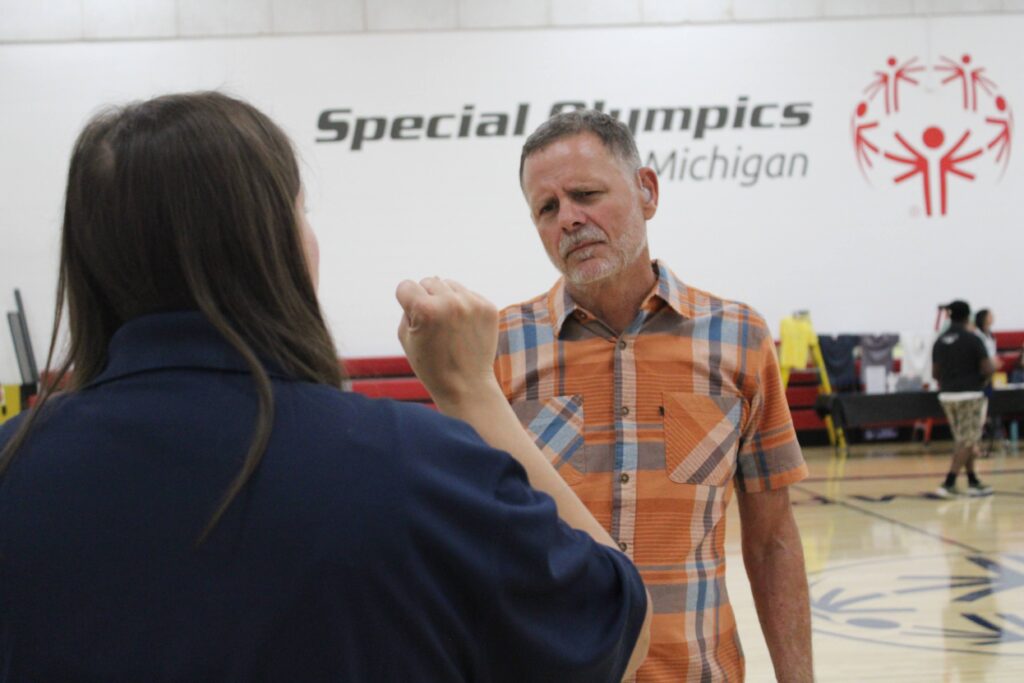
(933, 127)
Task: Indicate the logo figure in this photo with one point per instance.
(885, 130)
(1002, 140)
(933, 137)
(861, 144)
(966, 76)
(888, 82)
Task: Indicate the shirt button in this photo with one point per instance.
(623, 546)
(624, 478)
(622, 344)
(624, 410)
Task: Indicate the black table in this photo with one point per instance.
(856, 410)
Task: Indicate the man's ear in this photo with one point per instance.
(648, 180)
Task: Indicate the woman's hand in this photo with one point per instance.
(450, 335)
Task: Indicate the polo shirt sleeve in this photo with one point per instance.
(769, 454)
(543, 601)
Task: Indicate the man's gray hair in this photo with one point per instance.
(615, 135)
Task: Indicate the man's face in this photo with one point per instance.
(589, 208)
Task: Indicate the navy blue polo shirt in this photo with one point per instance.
(378, 541)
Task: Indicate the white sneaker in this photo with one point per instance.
(946, 492)
(979, 489)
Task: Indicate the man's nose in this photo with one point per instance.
(571, 216)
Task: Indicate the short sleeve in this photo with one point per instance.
(769, 456)
(544, 601)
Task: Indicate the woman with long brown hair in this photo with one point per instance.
(202, 502)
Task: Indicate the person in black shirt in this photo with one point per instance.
(962, 366)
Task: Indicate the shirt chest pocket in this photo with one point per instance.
(702, 435)
(556, 425)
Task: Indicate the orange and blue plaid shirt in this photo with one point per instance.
(652, 428)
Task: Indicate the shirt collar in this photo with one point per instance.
(668, 290)
(176, 340)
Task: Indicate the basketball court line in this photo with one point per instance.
(909, 475)
(877, 515)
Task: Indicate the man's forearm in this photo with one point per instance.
(778, 581)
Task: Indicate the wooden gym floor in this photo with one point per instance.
(904, 586)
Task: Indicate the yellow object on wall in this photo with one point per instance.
(796, 337)
(10, 401)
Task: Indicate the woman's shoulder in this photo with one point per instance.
(389, 456)
(319, 405)
(404, 434)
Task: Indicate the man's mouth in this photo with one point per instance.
(579, 247)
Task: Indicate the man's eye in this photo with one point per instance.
(547, 208)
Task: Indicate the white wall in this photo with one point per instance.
(73, 20)
(858, 252)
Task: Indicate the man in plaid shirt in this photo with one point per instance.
(655, 401)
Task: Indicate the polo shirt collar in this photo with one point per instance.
(668, 290)
(174, 340)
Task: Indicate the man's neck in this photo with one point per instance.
(616, 300)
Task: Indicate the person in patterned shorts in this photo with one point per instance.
(656, 402)
(962, 366)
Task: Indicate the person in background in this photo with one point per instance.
(983, 321)
(657, 402)
(962, 366)
(205, 504)
(1016, 374)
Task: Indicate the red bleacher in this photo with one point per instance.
(385, 377)
(392, 377)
